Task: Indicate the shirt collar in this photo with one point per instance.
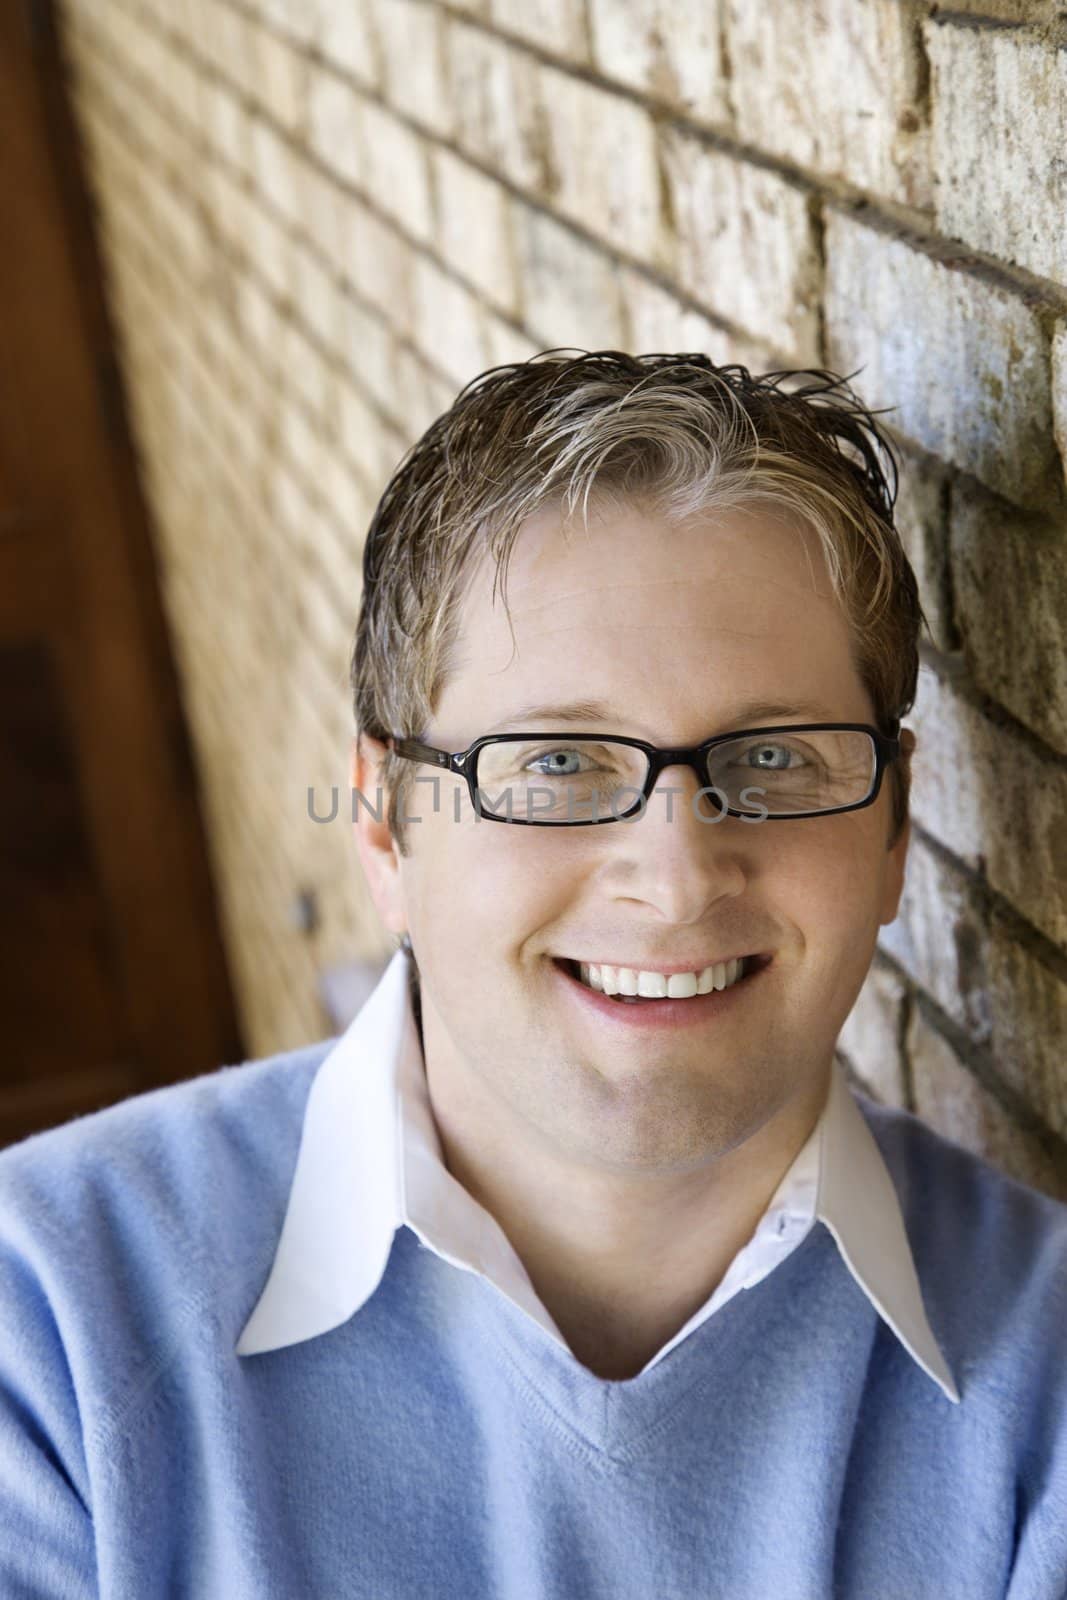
(370, 1159)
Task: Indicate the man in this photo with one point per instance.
(574, 1268)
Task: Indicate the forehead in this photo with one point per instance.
(647, 614)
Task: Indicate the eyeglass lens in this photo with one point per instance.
(576, 780)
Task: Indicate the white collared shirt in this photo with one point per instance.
(370, 1160)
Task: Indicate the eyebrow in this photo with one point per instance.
(572, 711)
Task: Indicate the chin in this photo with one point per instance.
(664, 1116)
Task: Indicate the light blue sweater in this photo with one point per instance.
(440, 1444)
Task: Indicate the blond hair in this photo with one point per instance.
(673, 432)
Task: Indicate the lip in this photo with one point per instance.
(660, 1014)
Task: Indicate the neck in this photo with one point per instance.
(621, 1260)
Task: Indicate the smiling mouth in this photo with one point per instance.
(750, 965)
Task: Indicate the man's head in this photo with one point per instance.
(734, 544)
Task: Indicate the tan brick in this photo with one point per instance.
(271, 249)
(220, 352)
(229, 46)
(336, 129)
(555, 25)
(112, 172)
(243, 438)
(969, 959)
(299, 19)
(228, 125)
(316, 297)
(327, 627)
(184, 17)
(448, 323)
(366, 444)
(1059, 391)
(421, 397)
(964, 361)
(395, 171)
(259, 317)
(318, 207)
(500, 120)
(745, 244)
(505, 344)
(350, 507)
(570, 290)
(1010, 576)
(279, 79)
(224, 205)
(659, 322)
(870, 1038)
(150, 11)
(669, 49)
(272, 164)
(378, 264)
(129, 41)
(1040, 13)
(322, 536)
(319, 680)
(109, 37)
(471, 229)
(346, 40)
(939, 938)
(366, 346)
(992, 799)
(792, 61)
(601, 153)
(411, 44)
(1012, 205)
(304, 444)
(950, 1099)
(185, 231)
(184, 83)
(920, 520)
(309, 375)
(1029, 1006)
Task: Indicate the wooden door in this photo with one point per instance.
(112, 973)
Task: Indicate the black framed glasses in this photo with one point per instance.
(774, 774)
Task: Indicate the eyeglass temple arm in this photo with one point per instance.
(415, 750)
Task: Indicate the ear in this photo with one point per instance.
(377, 850)
(898, 853)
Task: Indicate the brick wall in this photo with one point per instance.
(322, 218)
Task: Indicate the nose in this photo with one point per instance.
(681, 784)
(682, 853)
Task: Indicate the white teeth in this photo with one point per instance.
(654, 985)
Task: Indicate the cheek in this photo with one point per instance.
(828, 880)
(479, 876)
(827, 892)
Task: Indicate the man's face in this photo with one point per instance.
(674, 626)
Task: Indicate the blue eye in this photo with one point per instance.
(780, 749)
(555, 768)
